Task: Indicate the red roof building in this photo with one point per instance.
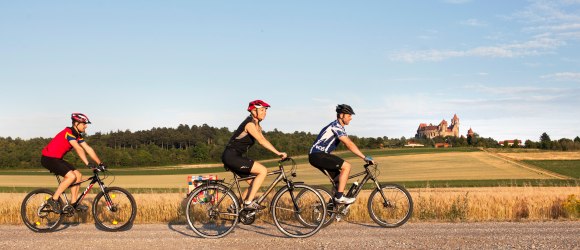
(442, 129)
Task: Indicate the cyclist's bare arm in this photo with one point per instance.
(252, 130)
(351, 146)
(80, 151)
(91, 152)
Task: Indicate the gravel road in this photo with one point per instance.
(344, 235)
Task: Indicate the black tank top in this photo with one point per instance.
(241, 141)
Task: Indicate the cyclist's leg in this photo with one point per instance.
(75, 190)
(333, 164)
(69, 178)
(343, 177)
(62, 168)
(260, 172)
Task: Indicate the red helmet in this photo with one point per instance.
(80, 117)
(257, 104)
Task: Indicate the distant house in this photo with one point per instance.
(413, 144)
(442, 145)
(510, 142)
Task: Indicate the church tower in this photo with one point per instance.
(455, 125)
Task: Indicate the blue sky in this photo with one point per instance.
(508, 69)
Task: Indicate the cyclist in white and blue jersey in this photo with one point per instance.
(328, 139)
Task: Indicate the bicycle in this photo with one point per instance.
(389, 205)
(113, 208)
(213, 209)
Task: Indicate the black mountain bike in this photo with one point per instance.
(114, 208)
(213, 209)
(389, 205)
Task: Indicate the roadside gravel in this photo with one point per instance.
(344, 235)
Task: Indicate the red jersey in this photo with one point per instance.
(60, 145)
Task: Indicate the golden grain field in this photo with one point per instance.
(439, 204)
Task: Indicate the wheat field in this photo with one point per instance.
(430, 204)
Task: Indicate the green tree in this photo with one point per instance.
(545, 141)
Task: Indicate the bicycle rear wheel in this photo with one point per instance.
(394, 210)
(298, 217)
(37, 215)
(330, 213)
(114, 210)
(212, 210)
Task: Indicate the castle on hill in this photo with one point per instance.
(443, 129)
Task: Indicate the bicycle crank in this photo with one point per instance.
(68, 210)
(247, 217)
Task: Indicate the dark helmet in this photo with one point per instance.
(344, 109)
(79, 117)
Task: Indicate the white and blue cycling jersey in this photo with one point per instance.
(328, 140)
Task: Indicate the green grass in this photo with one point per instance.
(406, 184)
(268, 163)
(565, 167)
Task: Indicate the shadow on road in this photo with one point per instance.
(172, 225)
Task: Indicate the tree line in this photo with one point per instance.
(204, 144)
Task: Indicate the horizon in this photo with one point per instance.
(509, 70)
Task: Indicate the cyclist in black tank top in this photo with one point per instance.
(243, 138)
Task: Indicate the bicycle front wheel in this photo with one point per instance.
(212, 210)
(300, 212)
(393, 209)
(37, 215)
(114, 210)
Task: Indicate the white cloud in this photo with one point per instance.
(540, 45)
(473, 22)
(563, 76)
(522, 90)
(457, 1)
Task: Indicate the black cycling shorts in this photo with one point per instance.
(328, 162)
(56, 165)
(237, 163)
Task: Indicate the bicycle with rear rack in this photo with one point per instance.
(113, 209)
(389, 205)
(213, 209)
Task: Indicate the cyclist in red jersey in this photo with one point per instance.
(60, 145)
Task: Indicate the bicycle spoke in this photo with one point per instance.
(304, 221)
(394, 209)
(114, 210)
(212, 212)
(37, 215)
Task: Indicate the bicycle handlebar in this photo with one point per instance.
(293, 170)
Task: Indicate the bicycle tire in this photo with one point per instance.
(208, 220)
(393, 212)
(289, 221)
(123, 212)
(327, 196)
(35, 215)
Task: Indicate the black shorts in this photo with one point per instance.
(237, 163)
(328, 162)
(56, 165)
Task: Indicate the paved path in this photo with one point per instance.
(344, 235)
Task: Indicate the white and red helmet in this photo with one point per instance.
(80, 117)
(257, 104)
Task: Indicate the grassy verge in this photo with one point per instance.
(565, 167)
(369, 186)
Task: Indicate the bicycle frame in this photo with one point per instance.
(94, 179)
(281, 177)
(368, 175)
